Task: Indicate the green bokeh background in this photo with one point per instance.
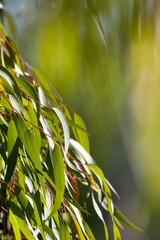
(103, 58)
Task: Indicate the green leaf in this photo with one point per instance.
(3, 29)
(20, 219)
(12, 136)
(15, 225)
(10, 84)
(14, 53)
(14, 103)
(45, 86)
(34, 121)
(27, 87)
(80, 233)
(24, 202)
(117, 235)
(99, 213)
(21, 127)
(38, 212)
(88, 231)
(82, 135)
(79, 218)
(47, 132)
(121, 217)
(77, 147)
(12, 161)
(64, 233)
(99, 173)
(106, 231)
(32, 148)
(58, 163)
(49, 231)
(65, 128)
(34, 212)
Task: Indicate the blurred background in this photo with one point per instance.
(103, 57)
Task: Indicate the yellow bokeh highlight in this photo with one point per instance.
(58, 49)
(144, 104)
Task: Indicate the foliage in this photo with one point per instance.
(45, 159)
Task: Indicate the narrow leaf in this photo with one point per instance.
(18, 215)
(64, 233)
(12, 160)
(121, 217)
(89, 231)
(77, 147)
(82, 135)
(10, 83)
(58, 163)
(12, 136)
(99, 173)
(65, 128)
(15, 225)
(117, 235)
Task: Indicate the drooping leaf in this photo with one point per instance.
(64, 233)
(10, 84)
(65, 128)
(89, 231)
(38, 213)
(12, 161)
(116, 233)
(29, 90)
(121, 217)
(82, 135)
(79, 230)
(32, 148)
(33, 119)
(24, 202)
(58, 163)
(14, 53)
(21, 127)
(98, 172)
(77, 147)
(49, 231)
(99, 213)
(15, 225)
(20, 219)
(79, 218)
(12, 136)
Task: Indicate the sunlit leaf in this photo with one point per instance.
(65, 128)
(15, 225)
(98, 172)
(99, 213)
(32, 148)
(12, 136)
(82, 135)
(29, 90)
(79, 149)
(116, 232)
(10, 84)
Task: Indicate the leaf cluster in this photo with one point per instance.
(45, 159)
